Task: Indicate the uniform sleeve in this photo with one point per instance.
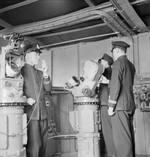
(115, 85)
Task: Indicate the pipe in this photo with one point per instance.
(77, 40)
(138, 2)
(70, 31)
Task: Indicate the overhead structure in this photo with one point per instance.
(103, 12)
(58, 22)
(17, 5)
(74, 21)
(125, 9)
(114, 22)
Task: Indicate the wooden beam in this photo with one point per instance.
(11, 7)
(90, 3)
(70, 31)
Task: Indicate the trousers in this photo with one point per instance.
(37, 138)
(107, 131)
(123, 134)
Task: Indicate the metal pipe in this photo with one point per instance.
(55, 25)
(70, 31)
(18, 5)
(58, 22)
(77, 40)
(137, 2)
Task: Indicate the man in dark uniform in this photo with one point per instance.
(121, 100)
(106, 61)
(36, 82)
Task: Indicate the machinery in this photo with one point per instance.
(86, 123)
(12, 117)
(85, 117)
(86, 85)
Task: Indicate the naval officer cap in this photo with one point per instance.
(120, 44)
(30, 47)
(107, 58)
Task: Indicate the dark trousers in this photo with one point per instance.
(37, 138)
(107, 131)
(123, 135)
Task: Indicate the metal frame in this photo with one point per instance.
(125, 9)
(78, 40)
(70, 31)
(104, 11)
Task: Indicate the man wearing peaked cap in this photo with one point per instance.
(120, 44)
(106, 61)
(36, 84)
(29, 47)
(103, 93)
(107, 58)
(121, 101)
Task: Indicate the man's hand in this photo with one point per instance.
(111, 111)
(30, 101)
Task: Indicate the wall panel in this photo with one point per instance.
(65, 64)
(144, 54)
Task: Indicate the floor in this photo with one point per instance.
(102, 148)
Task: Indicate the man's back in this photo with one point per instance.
(122, 84)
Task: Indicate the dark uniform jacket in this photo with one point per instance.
(103, 94)
(34, 87)
(121, 85)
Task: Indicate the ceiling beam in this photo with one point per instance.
(11, 7)
(139, 2)
(58, 22)
(115, 23)
(90, 3)
(125, 9)
(43, 26)
(4, 24)
(67, 20)
(79, 40)
(70, 31)
(75, 18)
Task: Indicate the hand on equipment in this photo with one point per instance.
(30, 101)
